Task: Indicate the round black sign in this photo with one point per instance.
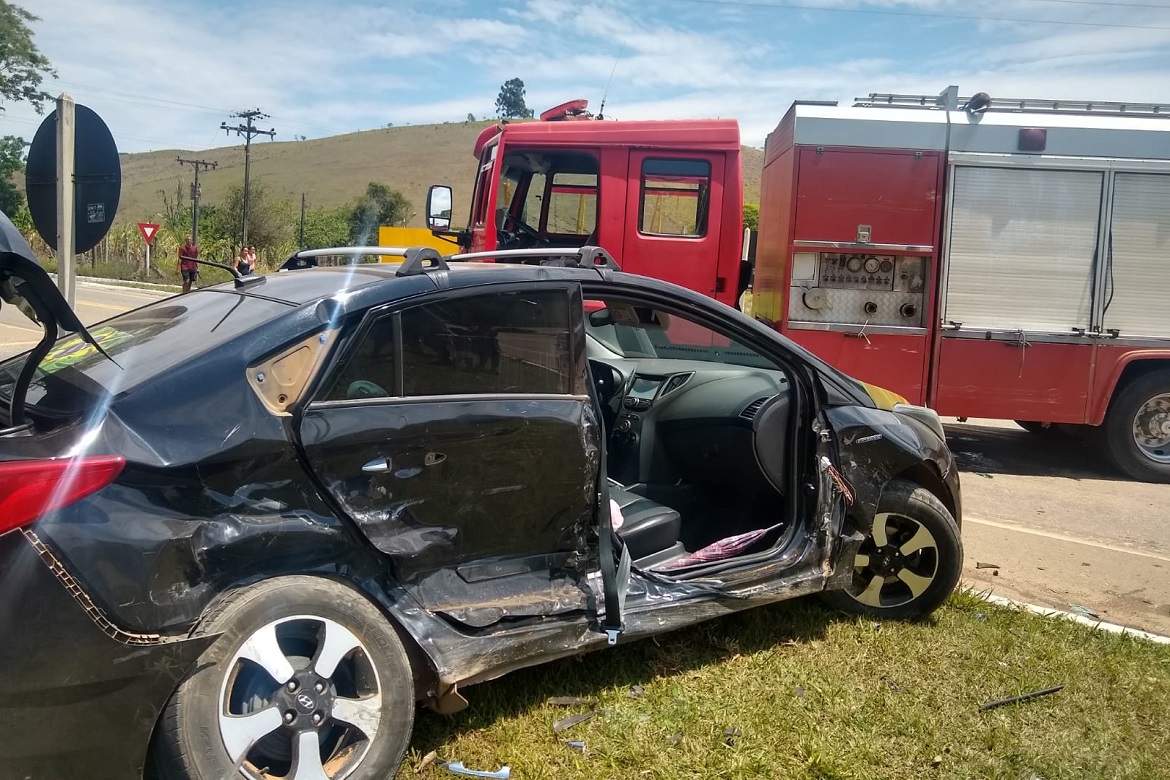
(97, 179)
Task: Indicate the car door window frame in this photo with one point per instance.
(578, 365)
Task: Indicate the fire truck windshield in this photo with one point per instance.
(546, 199)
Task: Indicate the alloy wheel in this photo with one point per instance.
(301, 700)
(896, 564)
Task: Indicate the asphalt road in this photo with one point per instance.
(1061, 528)
(93, 303)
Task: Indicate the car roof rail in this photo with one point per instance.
(311, 254)
(419, 260)
(566, 257)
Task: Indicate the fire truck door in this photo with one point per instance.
(674, 202)
(1021, 259)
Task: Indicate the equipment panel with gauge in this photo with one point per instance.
(857, 289)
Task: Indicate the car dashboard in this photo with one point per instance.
(682, 420)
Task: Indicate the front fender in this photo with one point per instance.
(876, 446)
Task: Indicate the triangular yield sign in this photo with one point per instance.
(148, 230)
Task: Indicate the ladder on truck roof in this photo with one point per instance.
(949, 99)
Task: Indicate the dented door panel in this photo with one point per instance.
(479, 521)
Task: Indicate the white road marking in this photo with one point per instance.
(1064, 538)
(1113, 628)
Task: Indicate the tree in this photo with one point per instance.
(510, 103)
(380, 205)
(11, 163)
(270, 222)
(327, 227)
(22, 66)
(751, 216)
(470, 117)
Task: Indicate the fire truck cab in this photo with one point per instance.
(665, 198)
(991, 258)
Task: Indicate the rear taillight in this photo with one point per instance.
(32, 488)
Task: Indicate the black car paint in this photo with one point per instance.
(200, 505)
(96, 721)
(876, 446)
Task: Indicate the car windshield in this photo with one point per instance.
(639, 332)
(143, 343)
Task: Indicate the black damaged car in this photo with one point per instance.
(252, 527)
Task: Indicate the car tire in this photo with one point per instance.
(1134, 413)
(914, 571)
(347, 664)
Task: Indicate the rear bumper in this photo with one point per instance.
(76, 702)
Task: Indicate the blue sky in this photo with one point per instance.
(164, 75)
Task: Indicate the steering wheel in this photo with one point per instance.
(526, 229)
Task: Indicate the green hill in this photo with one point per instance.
(335, 170)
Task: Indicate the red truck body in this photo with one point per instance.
(987, 258)
(664, 196)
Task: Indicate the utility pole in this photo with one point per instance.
(205, 165)
(249, 132)
(301, 243)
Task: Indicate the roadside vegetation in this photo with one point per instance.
(795, 691)
(273, 228)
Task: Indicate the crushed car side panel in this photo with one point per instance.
(876, 446)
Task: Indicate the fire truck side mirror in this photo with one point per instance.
(439, 207)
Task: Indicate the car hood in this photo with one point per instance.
(26, 286)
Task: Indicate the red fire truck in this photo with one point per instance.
(986, 257)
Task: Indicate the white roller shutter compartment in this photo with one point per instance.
(1140, 275)
(1020, 255)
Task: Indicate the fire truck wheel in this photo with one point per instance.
(910, 561)
(1137, 428)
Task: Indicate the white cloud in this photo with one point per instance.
(166, 75)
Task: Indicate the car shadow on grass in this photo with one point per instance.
(639, 663)
(989, 450)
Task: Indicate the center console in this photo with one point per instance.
(642, 392)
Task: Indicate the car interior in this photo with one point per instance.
(698, 432)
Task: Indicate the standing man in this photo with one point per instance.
(188, 268)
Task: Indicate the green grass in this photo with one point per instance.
(821, 696)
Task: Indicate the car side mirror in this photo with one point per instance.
(439, 207)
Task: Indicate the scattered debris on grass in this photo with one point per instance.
(982, 565)
(981, 616)
(991, 705)
(636, 692)
(1080, 610)
(729, 735)
(893, 685)
(572, 720)
(571, 701)
(427, 760)
(577, 744)
(674, 739)
(457, 768)
(800, 691)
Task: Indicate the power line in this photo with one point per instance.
(918, 15)
(249, 132)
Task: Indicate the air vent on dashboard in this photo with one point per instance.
(675, 382)
(749, 412)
